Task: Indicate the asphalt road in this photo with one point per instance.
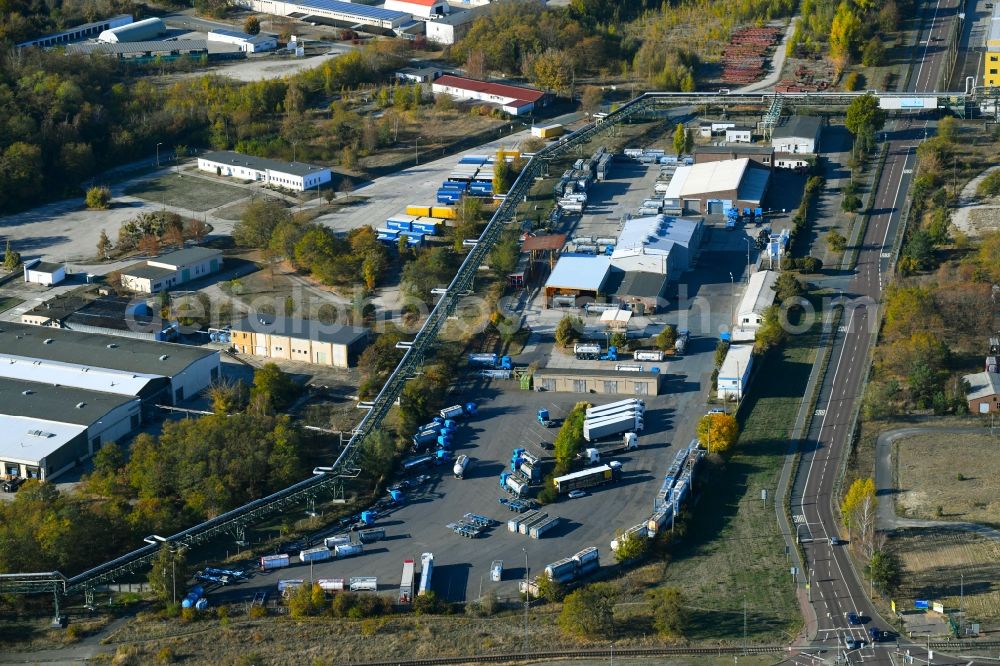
(835, 588)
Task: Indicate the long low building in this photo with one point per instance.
(303, 340)
(658, 244)
(76, 33)
(605, 382)
(297, 176)
(156, 372)
(344, 14)
(757, 298)
(171, 270)
(140, 31)
(576, 279)
(166, 49)
(50, 428)
(515, 100)
(245, 42)
(734, 375)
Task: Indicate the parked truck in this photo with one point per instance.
(648, 355)
(544, 419)
(513, 485)
(492, 361)
(592, 454)
(426, 571)
(623, 409)
(587, 350)
(496, 571)
(631, 403)
(594, 429)
(461, 464)
(406, 583)
(589, 477)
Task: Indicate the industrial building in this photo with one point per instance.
(170, 270)
(156, 372)
(165, 49)
(76, 33)
(140, 31)
(739, 134)
(761, 155)
(420, 8)
(297, 176)
(418, 74)
(658, 244)
(452, 27)
(246, 43)
(604, 382)
(108, 315)
(796, 141)
(332, 12)
(642, 293)
(49, 428)
(757, 298)
(303, 340)
(734, 374)
(515, 100)
(37, 271)
(711, 186)
(991, 61)
(575, 277)
(984, 392)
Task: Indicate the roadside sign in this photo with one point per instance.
(921, 604)
(892, 604)
(938, 607)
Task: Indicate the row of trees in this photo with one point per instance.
(858, 510)
(845, 30)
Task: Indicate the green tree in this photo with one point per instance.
(859, 490)
(104, 245)
(432, 268)
(836, 241)
(864, 119)
(301, 602)
(718, 432)
(168, 573)
(947, 129)
(553, 70)
(680, 138)
(850, 203)
(666, 338)
(771, 333)
(98, 198)
(591, 99)
(11, 258)
(885, 571)
(874, 53)
(505, 254)
(569, 441)
(787, 286)
(844, 34)
(989, 186)
(503, 175)
(568, 330)
(258, 222)
(251, 25)
(721, 349)
(551, 590)
(227, 396)
(630, 548)
(274, 387)
(670, 617)
(588, 612)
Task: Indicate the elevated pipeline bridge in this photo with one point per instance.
(330, 481)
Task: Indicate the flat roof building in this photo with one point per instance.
(757, 298)
(42, 272)
(515, 100)
(658, 244)
(991, 61)
(148, 49)
(576, 276)
(602, 381)
(734, 374)
(762, 155)
(49, 429)
(294, 339)
(246, 43)
(110, 315)
(77, 33)
(644, 293)
(331, 12)
(797, 134)
(172, 269)
(297, 176)
(26, 352)
(419, 8)
(710, 187)
(453, 27)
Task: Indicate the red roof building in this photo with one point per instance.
(515, 100)
(421, 8)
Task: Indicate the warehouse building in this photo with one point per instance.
(515, 100)
(156, 372)
(37, 271)
(332, 12)
(76, 33)
(107, 315)
(419, 8)
(418, 74)
(757, 298)
(710, 187)
(165, 49)
(246, 43)
(577, 279)
(303, 340)
(170, 270)
(140, 31)
(297, 176)
(50, 428)
(734, 375)
(453, 27)
(991, 61)
(984, 392)
(797, 134)
(642, 293)
(658, 244)
(604, 382)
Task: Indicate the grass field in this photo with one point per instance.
(733, 550)
(191, 192)
(8, 302)
(935, 562)
(945, 477)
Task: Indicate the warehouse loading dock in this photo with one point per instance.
(603, 382)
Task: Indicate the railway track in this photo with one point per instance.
(580, 654)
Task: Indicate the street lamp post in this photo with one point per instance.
(416, 151)
(158, 153)
(732, 301)
(527, 597)
(747, 239)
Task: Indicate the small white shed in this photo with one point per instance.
(42, 272)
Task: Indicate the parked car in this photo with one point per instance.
(853, 619)
(574, 494)
(11, 485)
(853, 644)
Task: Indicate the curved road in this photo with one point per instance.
(835, 589)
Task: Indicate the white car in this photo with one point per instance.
(575, 494)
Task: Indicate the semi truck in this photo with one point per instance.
(513, 485)
(406, 583)
(633, 403)
(617, 411)
(426, 571)
(592, 454)
(492, 361)
(461, 464)
(587, 560)
(589, 477)
(587, 350)
(594, 429)
(562, 571)
(544, 419)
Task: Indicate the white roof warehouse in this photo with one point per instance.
(297, 176)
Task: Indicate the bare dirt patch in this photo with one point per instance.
(935, 563)
(186, 191)
(947, 477)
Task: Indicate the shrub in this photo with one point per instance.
(165, 655)
(98, 198)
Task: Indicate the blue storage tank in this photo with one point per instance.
(197, 591)
(438, 419)
(397, 496)
(201, 604)
(187, 603)
(470, 408)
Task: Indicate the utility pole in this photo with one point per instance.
(744, 625)
(527, 598)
